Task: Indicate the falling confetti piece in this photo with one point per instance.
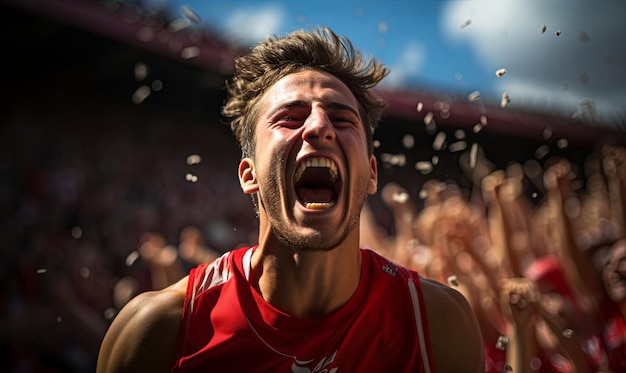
(131, 258)
(452, 281)
(408, 141)
(439, 141)
(562, 143)
(542, 151)
(194, 159)
(457, 146)
(502, 342)
(547, 133)
(474, 96)
(191, 178)
(420, 106)
(424, 167)
(76, 232)
(41, 270)
(189, 53)
(477, 128)
(568, 333)
(400, 197)
(543, 29)
(505, 100)
(558, 33)
(190, 14)
(465, 23)
(459, 134)
(500, 72)
(141, 94)
(429, 121)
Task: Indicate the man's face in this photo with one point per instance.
(311, 170)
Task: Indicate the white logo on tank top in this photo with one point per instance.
(322, 367)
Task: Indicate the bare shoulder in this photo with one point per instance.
(143, 336)
(455, 336)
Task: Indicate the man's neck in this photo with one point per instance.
(306, 284)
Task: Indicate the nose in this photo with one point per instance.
(318, 127)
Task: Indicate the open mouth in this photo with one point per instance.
(317, 183)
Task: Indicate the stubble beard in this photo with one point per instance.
(316, 241)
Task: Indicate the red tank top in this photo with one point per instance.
(228, 327)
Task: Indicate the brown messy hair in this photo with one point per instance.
(320, 49)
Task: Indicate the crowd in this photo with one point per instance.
(546, 278)
(94, 214)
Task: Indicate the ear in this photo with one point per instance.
(247, 176)
(372, 186)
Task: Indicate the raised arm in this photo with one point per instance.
(143, 336)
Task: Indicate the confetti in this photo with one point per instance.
(477, 127)
(408, 141)
(439, 141)
(424, 167)
(157, 85)
(542, 151)
(141, 94)
(562, 143)
(568, 333)
(483, 120)
(465, 23)
(400, 197)
(435, 160)
(474, 96)
(557, 33)
(420, 106)
(543, 29)
(502, 342)
(459, 134)
(457, 146)
(504, 101)
(429, 121)
(85, 272)
(500, 72)
(189, 53)
(41, 270)
(194, 159)
(452, 281)
(76, 232)
(190, 14)
(141, 71)
(547, 133)
(131, 258)
(191, 178)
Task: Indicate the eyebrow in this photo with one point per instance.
(328, 105)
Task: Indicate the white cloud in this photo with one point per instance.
(407, 66)
(586, 59)
(249, 25)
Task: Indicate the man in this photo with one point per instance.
(306, 298)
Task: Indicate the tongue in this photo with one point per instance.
(319, 195)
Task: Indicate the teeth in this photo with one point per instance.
(319, 205)
(318, 162)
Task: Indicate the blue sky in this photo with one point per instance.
(455, 47)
